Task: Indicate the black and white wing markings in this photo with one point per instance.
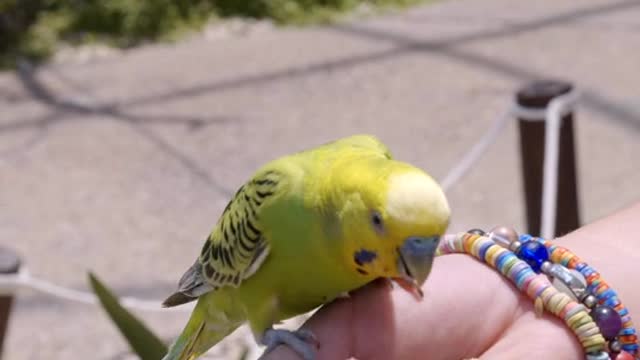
(236, 247)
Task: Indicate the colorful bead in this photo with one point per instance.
(546, 267)
(537, 287)
(615, 346)
(600, 355)
(608, 321)
(534, 254)
(590, 301)
(569, 281)
(597, 287)
(503, 236)
(526, 237)
(611, 302)
(623, 355)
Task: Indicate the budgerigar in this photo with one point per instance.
(305, 229)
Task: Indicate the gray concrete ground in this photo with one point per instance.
(128, 179)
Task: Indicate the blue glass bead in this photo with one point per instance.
(534, 254)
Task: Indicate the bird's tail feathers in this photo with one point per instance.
(199, 335)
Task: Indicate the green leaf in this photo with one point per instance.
(142, 341)
(244, 355)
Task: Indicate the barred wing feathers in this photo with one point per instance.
(236, 247)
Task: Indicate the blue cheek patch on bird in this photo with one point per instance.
(364, 256)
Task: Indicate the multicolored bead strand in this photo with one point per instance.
(536, 287)
(606, 297)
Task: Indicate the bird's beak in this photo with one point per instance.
(415, 258)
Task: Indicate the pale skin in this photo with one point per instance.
(469, 310)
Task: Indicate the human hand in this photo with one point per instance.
(469, 310)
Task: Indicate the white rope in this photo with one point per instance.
(553, 114)
(10, 283)
(476, 151)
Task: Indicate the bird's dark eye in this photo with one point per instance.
(376, 221)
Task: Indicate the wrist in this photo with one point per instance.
(612, 246)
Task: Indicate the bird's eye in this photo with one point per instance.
(376, 221)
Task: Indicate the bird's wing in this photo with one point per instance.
(236, 247)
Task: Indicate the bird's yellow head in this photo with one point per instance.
(391, 220)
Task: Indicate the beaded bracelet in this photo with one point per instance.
(619, 327)
(578, 295)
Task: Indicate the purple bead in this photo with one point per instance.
(534, 254)
(608, 321)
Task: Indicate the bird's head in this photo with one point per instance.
(392, 220)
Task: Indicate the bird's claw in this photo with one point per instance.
(308, 336)
(300, 341)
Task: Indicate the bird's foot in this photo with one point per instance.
(301, 341)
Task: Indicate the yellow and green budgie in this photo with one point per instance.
(304, 230)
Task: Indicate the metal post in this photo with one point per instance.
(537, 95)
(9, 264)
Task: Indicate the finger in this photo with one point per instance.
(466, 308)
(336, 325)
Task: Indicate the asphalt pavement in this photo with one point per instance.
(120, 164)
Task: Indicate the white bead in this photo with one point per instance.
(503, 236)
(590, 301)
(515, 245)
(615, 346)
(569, 281)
